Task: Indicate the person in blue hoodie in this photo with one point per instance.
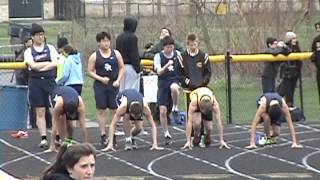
(72, 69)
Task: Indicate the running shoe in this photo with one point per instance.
(271, 141)
(43, 143)
(134, 144)
(128, 146)
(202, 142)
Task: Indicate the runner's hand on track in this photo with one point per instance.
(108, 148)
(251, 146)
(296, 146)
(156, 147)
(187, 145)
(51, 149)
(224, 145)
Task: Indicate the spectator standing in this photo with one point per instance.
(41, 59)
(72, 69)
(158, 47)
(127, 45)
(290, 71)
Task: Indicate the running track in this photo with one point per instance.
(23, 159)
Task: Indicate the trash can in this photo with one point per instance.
(13, 107)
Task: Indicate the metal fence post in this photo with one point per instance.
(228, 87)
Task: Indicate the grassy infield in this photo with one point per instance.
(244, 91)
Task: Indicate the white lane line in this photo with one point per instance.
(154, 161)
(24, 151)
(305, 161)
(19, 159)
(308, 127)
(196, 159)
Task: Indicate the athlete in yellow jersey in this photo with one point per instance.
(202, 104)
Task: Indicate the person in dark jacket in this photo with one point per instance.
(73, 162)
(270, 69)
(290, 71)
(315, 58)
(127, 45)
(158, 47)
(194, 71)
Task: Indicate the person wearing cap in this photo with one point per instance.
(131, 107)
(41, 59)
(272, 108)
(201, 108)
(67, 106)
(290, 71)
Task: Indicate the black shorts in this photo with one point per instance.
(77, 87)
(207, 117)
(40, 91)
(105, 95)
(164, 93)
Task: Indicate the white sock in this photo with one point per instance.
(174, 108)
(129, 139)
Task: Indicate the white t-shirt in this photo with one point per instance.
(53, 53)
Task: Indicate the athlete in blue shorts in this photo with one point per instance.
(131, 107)
(67, 106)
(41, 59)
(271, 109)
(168, 82)
(106, 67)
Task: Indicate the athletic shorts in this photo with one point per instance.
(105, 95)
(164, 93)
(77, 87)
(40, 91)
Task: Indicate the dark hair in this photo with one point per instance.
(148, 45)
(316, 24)
(136, 108)
(67, 157)
(275, 112)
(62, 42)
(191, 37)
(102, 35)
(168, 40)
(70, 107)
(167, 30)
(69, 50)
(205, 104)
(270, 40)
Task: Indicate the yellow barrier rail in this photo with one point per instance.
(213, 58)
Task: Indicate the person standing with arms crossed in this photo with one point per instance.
(106, 67)
(41, 59)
